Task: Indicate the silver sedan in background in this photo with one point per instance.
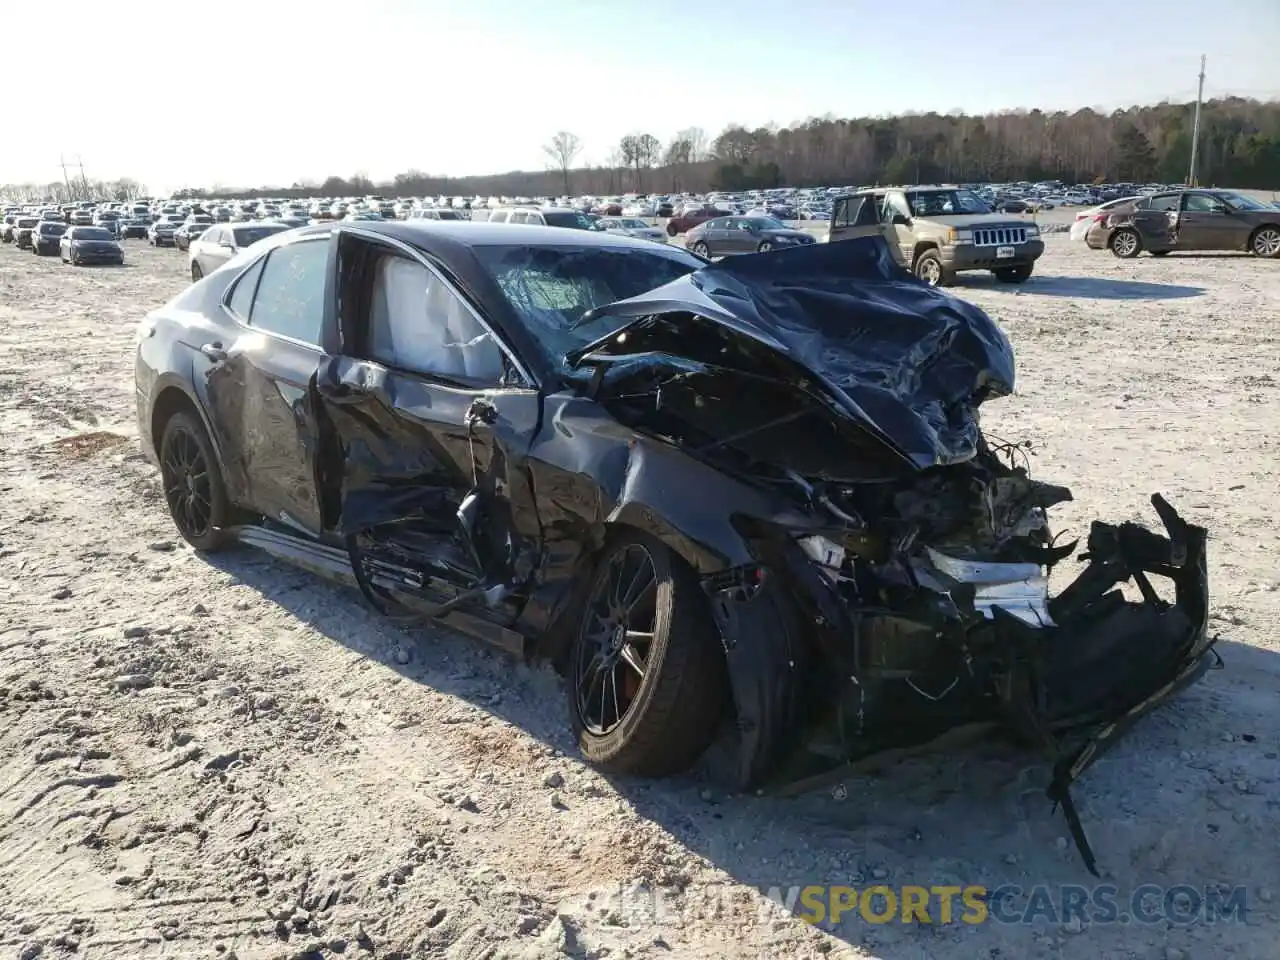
(223, 241)
(631, 227)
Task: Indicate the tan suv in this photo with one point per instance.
(935, 232)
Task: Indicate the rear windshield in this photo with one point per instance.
(27, 222)
(247, 236)
(53, 229)
(558, 218)
(92, 233)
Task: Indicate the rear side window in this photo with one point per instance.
(289, 300)
(242, 296)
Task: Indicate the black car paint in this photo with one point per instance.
(376, 463)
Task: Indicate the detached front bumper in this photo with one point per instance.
(1110, 661)
(1067, 675)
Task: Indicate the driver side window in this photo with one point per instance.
(418, 323)
(1200, 203)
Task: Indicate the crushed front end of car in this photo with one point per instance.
(913, 600)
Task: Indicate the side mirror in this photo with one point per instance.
(901, 220)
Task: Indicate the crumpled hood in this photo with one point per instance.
(907, 361)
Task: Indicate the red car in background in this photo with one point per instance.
(691, 218)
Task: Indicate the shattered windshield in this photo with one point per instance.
(551, 287)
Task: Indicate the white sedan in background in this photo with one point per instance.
(631, 227)
(1086, 218)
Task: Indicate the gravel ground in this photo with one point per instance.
(230, 757)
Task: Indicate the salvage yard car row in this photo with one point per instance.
(76, 245)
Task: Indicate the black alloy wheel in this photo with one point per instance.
(647, 675)
(618, 630)
(193, 487)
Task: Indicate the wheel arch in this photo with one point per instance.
(171, 396)
(922, 246)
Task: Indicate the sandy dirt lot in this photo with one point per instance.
(229, 757)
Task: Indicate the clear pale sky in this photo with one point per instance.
(273, 91)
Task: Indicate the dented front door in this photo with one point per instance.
(398, 447)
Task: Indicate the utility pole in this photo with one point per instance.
(84, 181)
(1195, 127)
(65, 179)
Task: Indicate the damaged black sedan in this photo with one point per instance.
(745, 504)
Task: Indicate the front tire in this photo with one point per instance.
(647, 680)
(193, 486)
(928, 267)
(765, 247)
(1125, 243)
(701, 249)
(1265, 242)
(196, 273)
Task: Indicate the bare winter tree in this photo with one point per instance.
(563, 150)
(640, 151)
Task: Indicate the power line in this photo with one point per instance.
(1195, 127)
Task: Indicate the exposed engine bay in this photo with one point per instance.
(924, 582)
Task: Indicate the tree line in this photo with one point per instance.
(1239, 146)
(68, 191)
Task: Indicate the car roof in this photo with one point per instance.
(430, 234)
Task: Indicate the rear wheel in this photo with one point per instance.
(1125, 243)
(1014, 274)
(1265, 242)
(647, 678)
(196, 272)
(193, 486)
(765, 247)
(701, 249)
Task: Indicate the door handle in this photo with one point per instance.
(214, 352)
